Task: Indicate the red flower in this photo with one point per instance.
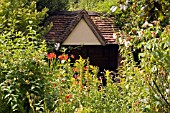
(75, 69)
(77, 82)
(82, 86)
(51, 55)
(63, 57)
(54, 85)
(68, 96)
(72, 56)
(85, 68)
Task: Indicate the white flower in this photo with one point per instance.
(113, 8)
(57, 46)
(168, 91)
(123, 7)
(114, 36)
(140, 33)
(146, 24)
(128, 2)
(127, 43)
(144, 7)
(121, 41)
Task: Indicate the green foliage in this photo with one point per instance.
(17, 16)
(131, 13)
(104, 5)
(82, 4)
(91, 5)
(75, 88)
(145, 33)
(22, 76)
(30, 84)
(52, 5)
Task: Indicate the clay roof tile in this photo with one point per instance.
(64, 23)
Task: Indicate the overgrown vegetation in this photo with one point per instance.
(91, 5)
(22, 50)
(145, 48)
(32, 80)
(53, 5)
(72, 5)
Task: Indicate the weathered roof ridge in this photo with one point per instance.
(64, 12)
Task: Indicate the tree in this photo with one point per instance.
(52, 5)
(145, 34)
(91, 5)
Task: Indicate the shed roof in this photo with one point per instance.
(64, 23)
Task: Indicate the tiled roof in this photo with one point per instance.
(64, 23)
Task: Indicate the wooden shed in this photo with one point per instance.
(91, 31)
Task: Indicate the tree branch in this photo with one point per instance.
(161, 93)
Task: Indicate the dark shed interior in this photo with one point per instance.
(104, 57)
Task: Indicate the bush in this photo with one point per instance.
(22, 51)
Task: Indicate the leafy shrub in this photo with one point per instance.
(22, 75)
(144, 46)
